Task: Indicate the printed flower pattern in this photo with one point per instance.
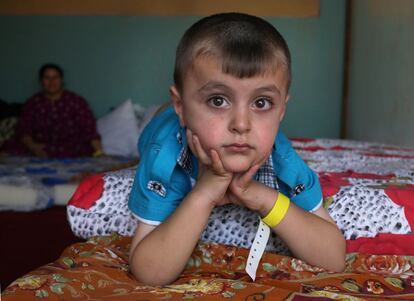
(386, 264)
(98, 269)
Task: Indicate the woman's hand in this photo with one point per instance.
(37, 149)
(97, 148)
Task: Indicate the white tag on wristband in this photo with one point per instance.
(257, 249)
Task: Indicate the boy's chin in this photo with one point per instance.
(237, 166)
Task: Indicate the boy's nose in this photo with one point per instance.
(240, 121)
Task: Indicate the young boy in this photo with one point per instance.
(232, 77)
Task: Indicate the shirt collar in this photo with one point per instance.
(184, 158)
(266, 174)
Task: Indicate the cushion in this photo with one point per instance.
(368, 190)
(100, 207)
(144, 115)
(119, 131)
(367, 208)
(147, 116)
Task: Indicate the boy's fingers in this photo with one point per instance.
(248, 175)
(190, 141)
(203, 158)
(216, 161)
(225, 200)
(233, 199)
(201, 154)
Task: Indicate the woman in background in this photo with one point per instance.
(57, 123)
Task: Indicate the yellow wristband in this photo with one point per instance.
(278, 212)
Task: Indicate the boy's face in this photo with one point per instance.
(239, 118)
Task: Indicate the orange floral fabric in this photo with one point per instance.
(98, 270)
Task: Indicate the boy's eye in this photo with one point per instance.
(262, 103)
(218, 102)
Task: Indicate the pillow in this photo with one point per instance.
(100, 207)
(119, 131)
(368, 190)
(360, 207)
(146, 117)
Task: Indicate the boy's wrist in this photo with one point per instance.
(199, 197)
(266, 207)
(264, 197)
(268, 202)
(278, 212)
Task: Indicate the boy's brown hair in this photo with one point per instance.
(244, 45)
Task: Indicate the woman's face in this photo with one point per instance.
(52, 82)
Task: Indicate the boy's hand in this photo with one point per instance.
(213, 180)
(221, 186)
(247, 192)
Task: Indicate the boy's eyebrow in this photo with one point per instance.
(270, 88)
(213, 85)
(217, 85)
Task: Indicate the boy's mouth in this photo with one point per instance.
(238, 147)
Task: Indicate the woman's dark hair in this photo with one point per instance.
(43, 69)
(244, 46)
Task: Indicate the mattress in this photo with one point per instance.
(28, 183)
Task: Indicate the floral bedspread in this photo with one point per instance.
(98, 270)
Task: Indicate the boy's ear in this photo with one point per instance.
(177, 103)
(287, 98)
